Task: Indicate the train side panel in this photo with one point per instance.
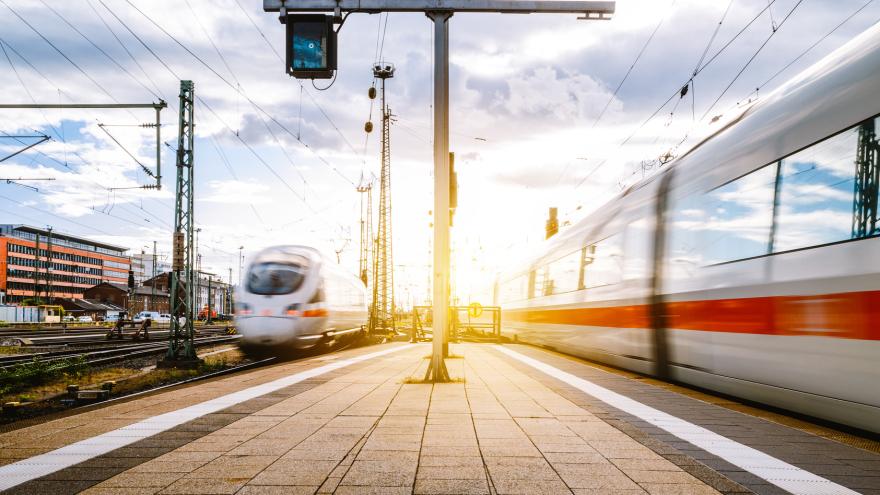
(766, 282)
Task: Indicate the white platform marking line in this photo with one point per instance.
(775, 471)
(44, 464)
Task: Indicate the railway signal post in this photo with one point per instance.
(312, 54)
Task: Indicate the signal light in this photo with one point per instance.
(311, 46)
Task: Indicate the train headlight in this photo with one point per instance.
(243, 309)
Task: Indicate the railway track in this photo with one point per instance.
(90, 336)
(103, 356)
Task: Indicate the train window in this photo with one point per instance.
(819, 200)
(564, 274)
(638, 245)
(738, 218)
(514, 289)
(320, 297)
(543, 281)
(603, 262)
(274, 278)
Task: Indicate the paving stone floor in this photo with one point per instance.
(370, 428)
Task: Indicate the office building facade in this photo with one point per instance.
(42, 265)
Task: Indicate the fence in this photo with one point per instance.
(19, 314)
(473, 320)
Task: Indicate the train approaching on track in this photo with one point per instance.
(750, 265)
(293, 298)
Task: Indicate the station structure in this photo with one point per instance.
(28, 255)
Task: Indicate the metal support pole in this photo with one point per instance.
(208, 316)
(49, 288)
(437, 371)
(181, 350)
(153, 283)
(37, 271)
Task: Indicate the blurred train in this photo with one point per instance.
(749, 265)
(293, 298)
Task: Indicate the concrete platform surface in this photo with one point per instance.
(517, 420)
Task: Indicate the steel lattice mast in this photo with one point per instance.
(382, 315)
(181, 351)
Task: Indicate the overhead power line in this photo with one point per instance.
(49, 42)
(679, 88)
(210, 109)
(236, 89)
(633, 65)
(752, 58)
(815, 44)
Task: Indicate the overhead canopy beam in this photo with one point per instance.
(592, 9)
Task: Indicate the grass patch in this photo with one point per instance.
(6, 350)
(33, 373)
(128, 379)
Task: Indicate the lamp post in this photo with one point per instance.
(440, 12)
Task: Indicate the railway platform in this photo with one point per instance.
(515, 420)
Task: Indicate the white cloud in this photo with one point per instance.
(531, 86)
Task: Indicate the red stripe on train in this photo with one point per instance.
(850, 315)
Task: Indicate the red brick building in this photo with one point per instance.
(38, 263)
(144, 299)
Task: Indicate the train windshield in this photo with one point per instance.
(273, 278)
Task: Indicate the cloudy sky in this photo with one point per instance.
(538, 117)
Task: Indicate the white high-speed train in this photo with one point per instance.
(750, 265)
(293, 298)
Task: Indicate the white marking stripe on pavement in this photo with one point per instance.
(775, 471)
(38, 466)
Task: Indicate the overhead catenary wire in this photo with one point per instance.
(752, 58)
(59, 90)
(622, 81)
(127, 51)
(238, 90)
(815, 44)
(49, 42)
(677, 91)
(207, 107)
(303, 89)
(633, 65)
(800, 55)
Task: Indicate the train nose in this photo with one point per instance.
(266, 330)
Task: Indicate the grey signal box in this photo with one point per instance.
(311, 46)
